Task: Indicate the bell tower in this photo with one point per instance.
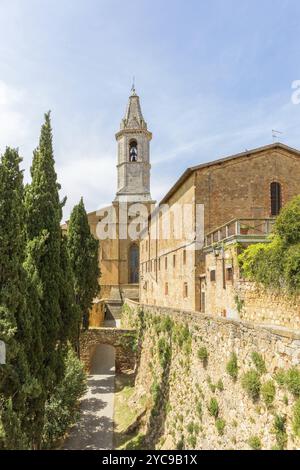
(133, 165)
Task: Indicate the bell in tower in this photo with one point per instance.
(133, 151)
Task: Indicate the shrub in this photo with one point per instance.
(220, 385)
(259, 362)
(255, 443)
(164, 352)
(180, 444)
(251, 384)
(232, 366)
(296, 418)
(213, 408)
(279, 429)
(292, 381)
(203, 354)
(190, 427)
(220, 425)
(61, 409)
(192, 441)
(268, 392)
(199, 409)
(279, 377)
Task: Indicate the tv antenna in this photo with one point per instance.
(275, 135)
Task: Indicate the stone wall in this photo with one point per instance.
(180, 385)
(123, 341)
(97, 314)
(240, 299)
(262, 306)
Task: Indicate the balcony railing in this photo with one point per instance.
(242, 229)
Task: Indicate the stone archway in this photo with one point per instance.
(122, 340)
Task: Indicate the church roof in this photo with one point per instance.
(245, 154)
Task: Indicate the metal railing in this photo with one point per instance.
(244, 228)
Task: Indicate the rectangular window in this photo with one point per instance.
(166, 262)
(166, 288)
(174, 261)
(184, 256)
(159, 264)
(185, 289)
(213, 275)
(229, 274)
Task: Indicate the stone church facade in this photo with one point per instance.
(119, 248)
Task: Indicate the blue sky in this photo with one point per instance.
(214, 78)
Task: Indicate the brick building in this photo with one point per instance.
(252, 185)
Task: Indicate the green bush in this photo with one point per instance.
(259, 362)
(213, 408)
(296, 418)
(164, 352)
(220, 385)
(203, 354)
(268, 392)
(220, 425)
(292, 381)
(232, 366)
(255, 443)
(199, 409)
(277, 264)
(279, 429)
(192, 441)
(61, 409)
(190, 427)
(180, 444)
(251, 384)
(280, 377)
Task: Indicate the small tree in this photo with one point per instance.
(83, 253)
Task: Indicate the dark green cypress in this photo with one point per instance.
(43, 216)
(17, 381)
(83, 252)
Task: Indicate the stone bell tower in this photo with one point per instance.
(133, 155)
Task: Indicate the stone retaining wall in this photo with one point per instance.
(187, 384)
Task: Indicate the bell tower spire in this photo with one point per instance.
(133, 165)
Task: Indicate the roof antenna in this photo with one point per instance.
(133, 86)
(275, 135)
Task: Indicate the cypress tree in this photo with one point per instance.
(17, 381)
(43, 216)
(83, 252)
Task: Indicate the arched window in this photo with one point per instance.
(133, 151)
(276, 200)
(134, 262)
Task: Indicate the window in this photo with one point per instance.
(134, 264)
(229, 274)
(174, 261)
(159, 264)
(213, 275)
(185, 289)
(166, 288)
(276, 202)
(184, 256)
(166, 262)
(133, 151)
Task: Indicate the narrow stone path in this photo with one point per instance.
(94, 431)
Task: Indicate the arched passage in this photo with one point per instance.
(103, 360)
(120, 339)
